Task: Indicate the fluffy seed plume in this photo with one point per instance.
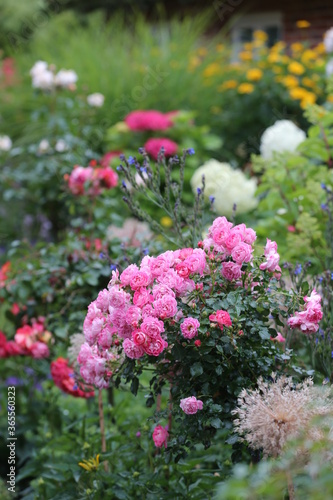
(275, 412)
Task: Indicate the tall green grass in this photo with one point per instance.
(136, 65)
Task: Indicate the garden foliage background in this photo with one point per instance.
(80, 200)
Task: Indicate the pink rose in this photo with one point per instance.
(140, 279)
(182, 269)
(128, 274)
(156, 347)
(133, 316)
(166, 307)
(232, 240)
(142, 297)
(103, 300)
(231, 271)
(242, 253)
(191, 405)
(196, 262)
(189, 328)
(140, 338)
(152, 327)
(185, 252)
(39, 350)
(160, 436)
(222, 318)
(278, 338)
(250, 236)
(132, 350)
(159, 265)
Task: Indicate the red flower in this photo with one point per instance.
(107, 176)
(147, 120)
(62, 375)
(4, 273)
(154, 145)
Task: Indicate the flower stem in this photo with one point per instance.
(101, 425)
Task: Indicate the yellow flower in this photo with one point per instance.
(308, 55)
(245, 88)
(228, 84)
(277, 47)
(298, 93)
(202, 51)
(248, 46)
(320, 48)
(296, 68)
(296, 47)
(309, 98)
(90, 465)
(194, 62)
(308, 82)
(330, 98)
(260, 35)
(273, 57)
(166, 221)
(290, 81)
(212, 69)
(219, 47)
(245, 56)
(303, 24)
(254, 74)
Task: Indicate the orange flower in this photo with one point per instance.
(303, 24)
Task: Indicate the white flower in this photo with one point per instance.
(328, 40)
(96, 100)
(61, 146)
(65, 78)
(44, 145)
(329, 67)
(5, 143)
(227, 186)
(38, 67)
(43, 80)
(284, 135)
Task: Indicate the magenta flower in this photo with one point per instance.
(191, 405)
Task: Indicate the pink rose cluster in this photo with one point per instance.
(29, 340)
(308, 319)
(191, 405)
(135, 309)
(233, 244)
(154, 145)
(134, 312)
(90, 180)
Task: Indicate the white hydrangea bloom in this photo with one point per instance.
(38, 67)
(329, 67)
(328, 40)
(227, 186)
(284, 135)
(96, 100)
(5, 143)
(65, 78)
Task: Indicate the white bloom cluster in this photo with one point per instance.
(5, 143)
(328, 40)
(95, 100)
(227, 186)
(284, 135)
(44, 77)
(329, 67)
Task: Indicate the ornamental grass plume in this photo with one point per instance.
(276, 412)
